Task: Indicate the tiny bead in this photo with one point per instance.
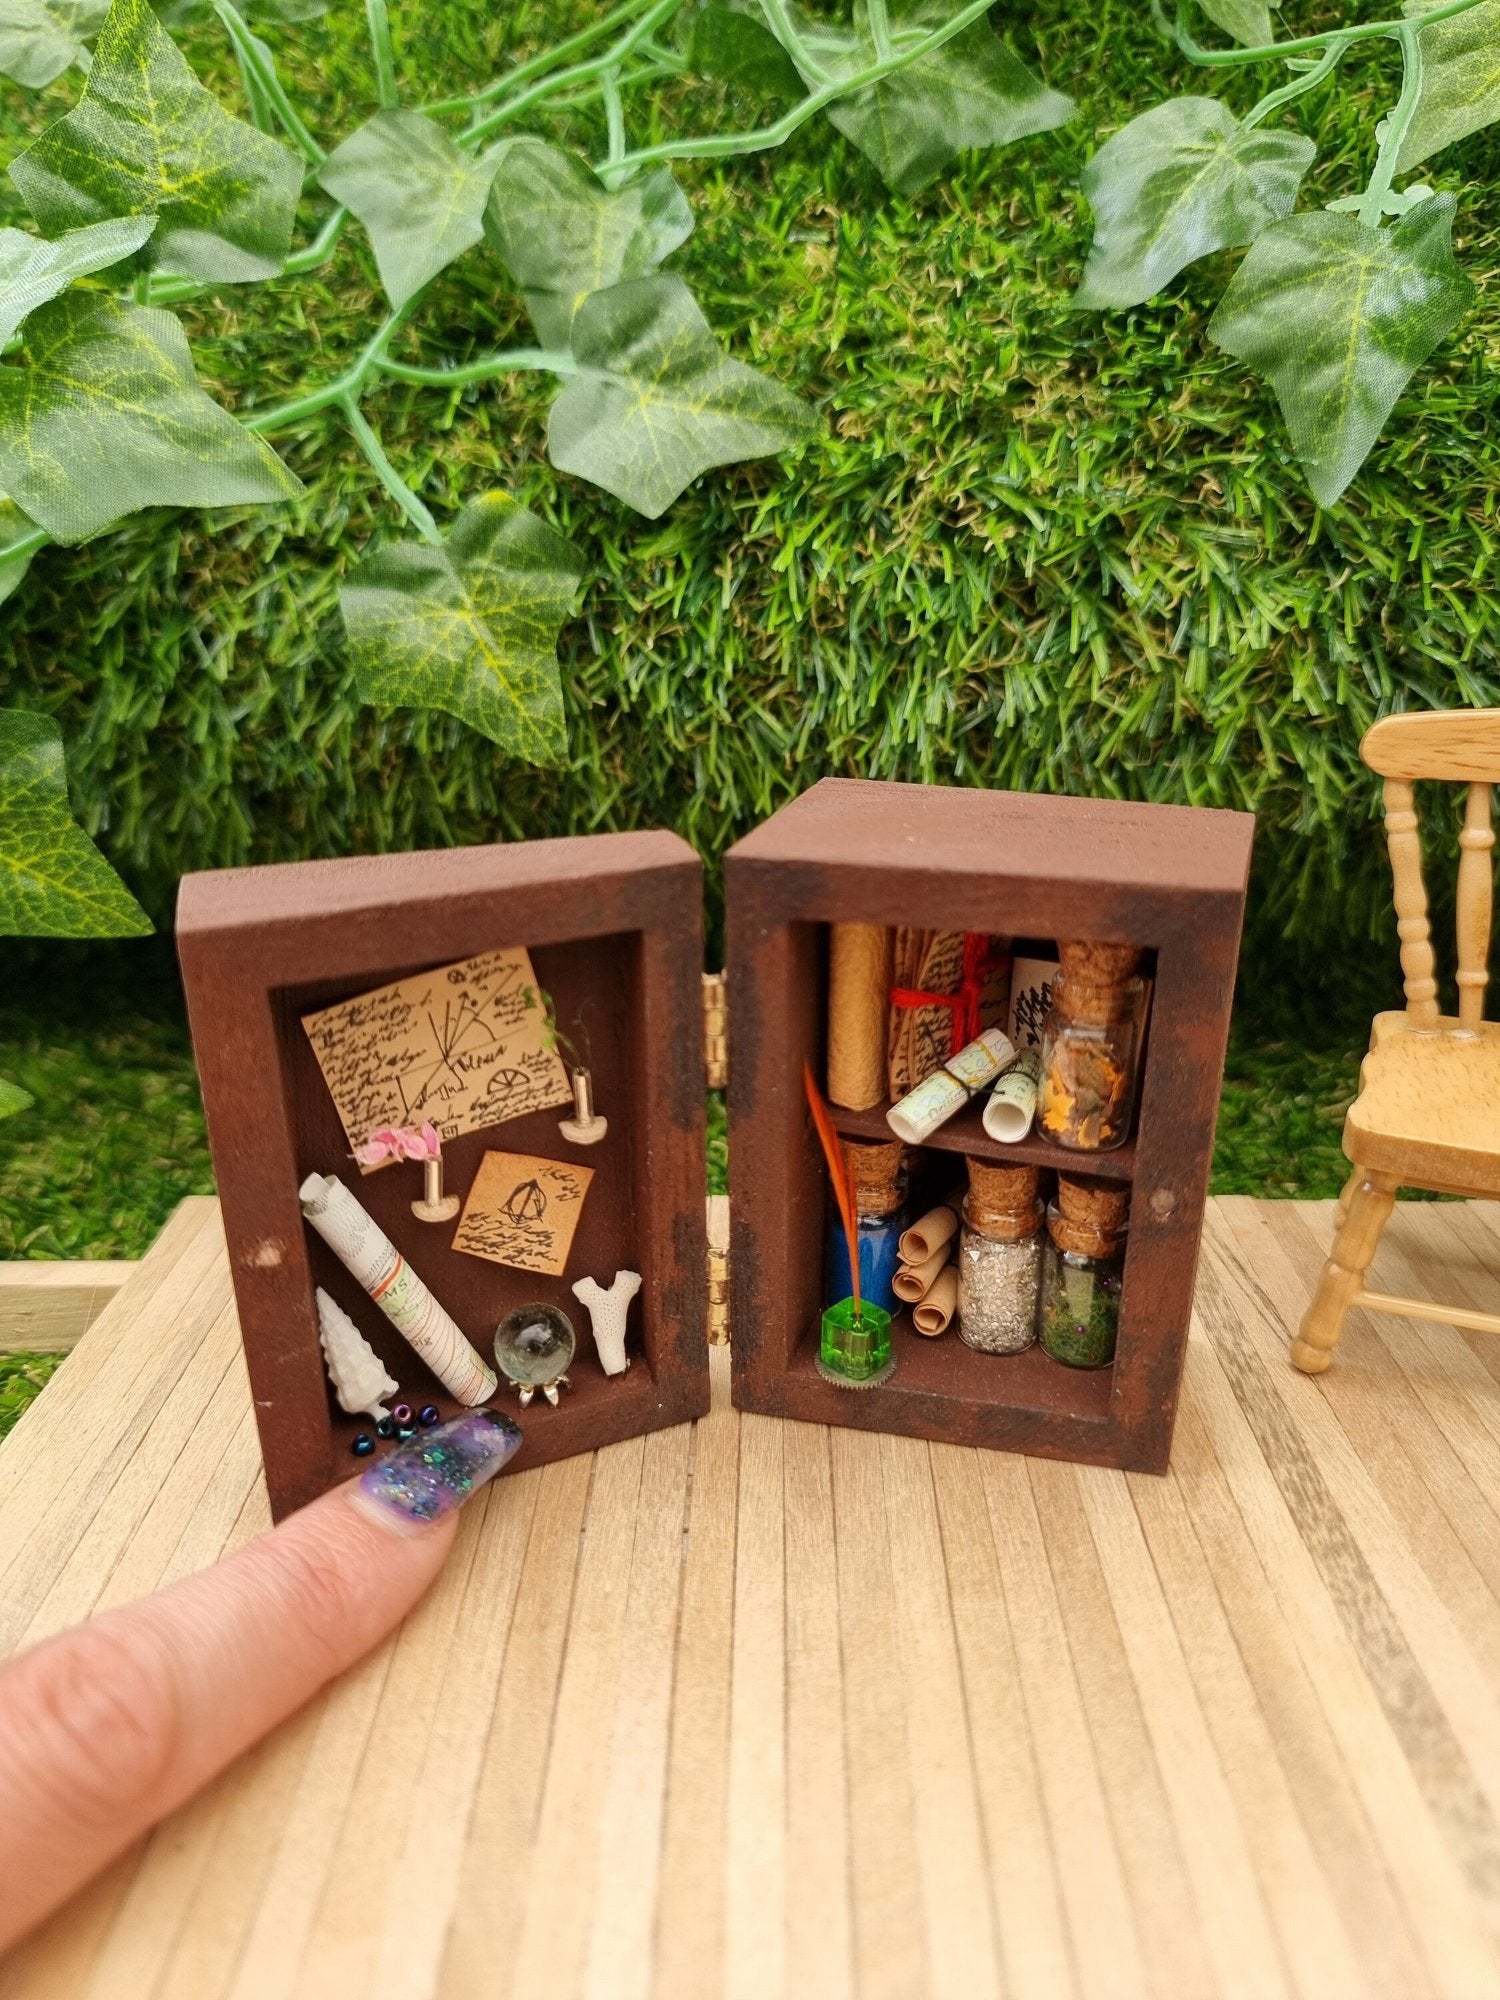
(386, 1427)
(362, 1446)
(428, 1414)
(405, 1431)
(402, 1413)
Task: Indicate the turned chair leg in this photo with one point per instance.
(1343, 1276)
(1346, 1195)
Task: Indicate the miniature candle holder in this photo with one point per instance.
(585, 1127)
(405, 1142)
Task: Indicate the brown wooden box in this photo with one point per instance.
(1170, 879)
(616, 919)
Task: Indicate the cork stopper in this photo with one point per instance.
(1086, 1198)
(1095, 981)
(1089, 1217)
(875, 1176)
(1002, 1202)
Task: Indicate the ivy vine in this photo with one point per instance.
(149, 193)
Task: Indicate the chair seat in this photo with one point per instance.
(1428, 1109)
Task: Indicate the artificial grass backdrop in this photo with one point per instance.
(1034, 547)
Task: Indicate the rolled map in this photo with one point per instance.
(949, 1089)
(1012, 1103)
(368, 1254)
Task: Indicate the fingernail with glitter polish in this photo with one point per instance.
(437, 1471)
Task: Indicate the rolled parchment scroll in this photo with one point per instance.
(936, 1311)
(928, 1233)
(368, 1254)
(949, 1089)
(914, 1281)
(1012, 1103)
(859, 977)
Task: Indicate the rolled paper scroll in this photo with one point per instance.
(1012, 1103)
(934, 1102)
(369, 1255)
(934, 1315)
(859, 977)
(914, 1281)
(928, 1233)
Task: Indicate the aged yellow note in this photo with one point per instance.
(464, 1045)
(523, 1212)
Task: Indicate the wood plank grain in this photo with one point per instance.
(785, 1709)
(46, 1305)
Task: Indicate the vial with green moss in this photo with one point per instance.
(854, 1348)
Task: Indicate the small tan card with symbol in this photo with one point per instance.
(523, 1212)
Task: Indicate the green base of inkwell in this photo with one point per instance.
(855, 1352)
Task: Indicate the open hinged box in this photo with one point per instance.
(613, 924)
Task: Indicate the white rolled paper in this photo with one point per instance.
(1012, 1103)
(949, 1089)
(368, 1254)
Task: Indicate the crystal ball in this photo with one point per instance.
(534, 1345)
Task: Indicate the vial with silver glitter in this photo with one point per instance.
(999, 1259)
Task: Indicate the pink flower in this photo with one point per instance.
(400, 1142)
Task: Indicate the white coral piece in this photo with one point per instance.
(354, 1368)
(608, 1311)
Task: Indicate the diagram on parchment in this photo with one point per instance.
(465, 1045)
(523, 1212)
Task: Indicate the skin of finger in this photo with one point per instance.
(110, 1726)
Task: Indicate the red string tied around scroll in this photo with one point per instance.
(981, 960)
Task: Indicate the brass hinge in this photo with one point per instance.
(718, 1297)
(716, 1030)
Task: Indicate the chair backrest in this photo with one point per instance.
(1460, 746)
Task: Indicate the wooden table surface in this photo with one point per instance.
(754, 1708)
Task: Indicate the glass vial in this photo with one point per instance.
(999, 1259)
(1083, 1266)
(1091, 1046)
(876, 1171)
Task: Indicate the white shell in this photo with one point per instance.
(608, 1311)
(354, 1368)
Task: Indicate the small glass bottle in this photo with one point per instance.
(1091, 1045)
(1083, 1265)
(999, 1259)
(876, 1171)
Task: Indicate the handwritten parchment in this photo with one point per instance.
(523, 1212)
(463, 1045)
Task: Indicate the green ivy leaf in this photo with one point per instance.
(108, 417)
(971, 91)
(563, 234)
(1460, 81)
(39, 39)
(13, 1098)
(14, 526)
(54, 882)
(33, 270)
(1178, 182)
(656, 401)
(1248, 21)
(733, 44)
(419, 197)
(1338, 318)
(147, 139)
(470, 626)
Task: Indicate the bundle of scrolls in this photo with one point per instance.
(946, 987)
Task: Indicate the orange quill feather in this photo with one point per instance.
(833, 1153)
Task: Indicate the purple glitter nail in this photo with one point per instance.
(438, 1470)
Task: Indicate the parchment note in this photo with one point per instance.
(523, 1212)
(463, 1045)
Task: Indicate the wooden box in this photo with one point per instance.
(614, 921)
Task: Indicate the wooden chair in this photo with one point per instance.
(1428, 1110)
